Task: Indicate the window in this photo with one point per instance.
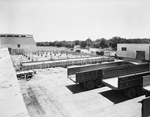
(9, 35)
(18, 45)
(16, 35)
(2, 35)
(23, 36)
(124, 49)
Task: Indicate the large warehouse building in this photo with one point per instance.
(135, 51)
(16, 41)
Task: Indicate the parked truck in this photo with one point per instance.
(126, 77)
(72, 70)
(90, 76)
(145, 107)
(129, 79)
(28, 74)
(146, 101)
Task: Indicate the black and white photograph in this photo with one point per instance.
(74, 58)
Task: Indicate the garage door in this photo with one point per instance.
(140, 55)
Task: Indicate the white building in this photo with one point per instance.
(77, 48)
(136, 51)
(17, 41)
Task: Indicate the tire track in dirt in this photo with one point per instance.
(32, 105)
(48, 104)
(32, 95)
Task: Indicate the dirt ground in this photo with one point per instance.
(50, 94)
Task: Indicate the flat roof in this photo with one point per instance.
(133, 44)
(16, 35)
(16, 39)
(11, 100)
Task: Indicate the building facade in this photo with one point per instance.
(135, 51)
(17, 41)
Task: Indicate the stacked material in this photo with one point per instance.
(11, 100)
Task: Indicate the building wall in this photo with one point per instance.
(13, 40)
(131, 50)
(16, 45)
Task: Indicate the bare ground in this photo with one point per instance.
(50, 94)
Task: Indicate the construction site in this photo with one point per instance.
(48, 83)
(59, 82)
(74, 58)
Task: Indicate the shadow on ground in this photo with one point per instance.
(118, 96)
(114, 96)
(76, 88)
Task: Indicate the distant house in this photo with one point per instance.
(77, 48)
(17, 41)
(135, 51)
(78, 51)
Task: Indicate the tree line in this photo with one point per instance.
(98, 43)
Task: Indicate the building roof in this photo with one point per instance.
(133, 44)
(77, 46)
(16, 39)
(16, 35)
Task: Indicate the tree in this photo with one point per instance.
(89, 42)
(83, 44)
(99, 43)
(96, 44)
(115, 40)
(77, 42)
(103, 43)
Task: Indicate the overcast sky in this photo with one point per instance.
(51, 20)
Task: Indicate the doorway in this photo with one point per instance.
(18, 45)
(140, 55)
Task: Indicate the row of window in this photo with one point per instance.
(12, 35)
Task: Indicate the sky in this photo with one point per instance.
(58, 20)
